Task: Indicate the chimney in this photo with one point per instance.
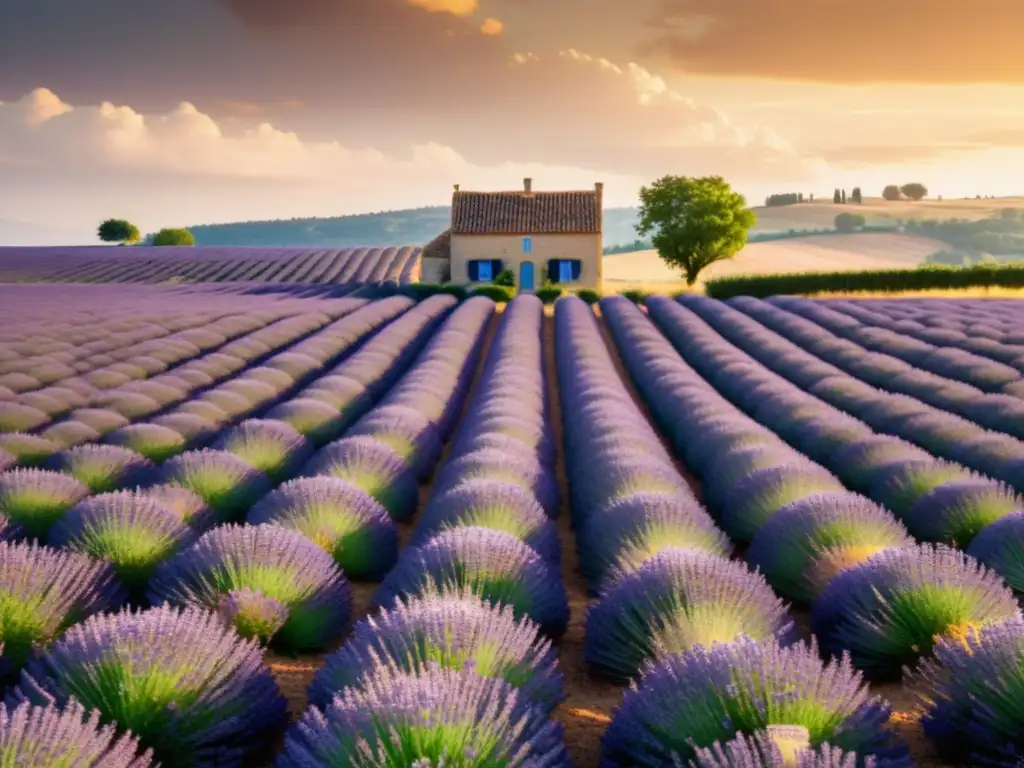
(599, 193)
(599, 188)
(528, 185)
(456, 187)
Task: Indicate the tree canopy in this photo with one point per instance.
(891, 193)
(914, 191)
(695, 221)
(849, 222)
(174, 237)
(118, 231)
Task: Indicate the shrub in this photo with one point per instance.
(679, 599)
(1000, 546)
(372, 468)
(431, 719)
(340, 518)
(420, 291)
(317, 421)
(971, 695)
(153, 441)
(589, 295)
(635, 295)
(273, 447)
(225, 482)
(44, 591)
(128, 529)
(899, 486)
(763, 751)
(495, 565)
(806, 543)
(32, 500)
(954, 513)
(183, 683)
(891, 193)
(497, 293)
(170, 236)
(406, 431)
(691, 700)
(103, 467)
(449, 629)
(549, 295)
(269, 583)
(188, 505)
(28, 450)
(494, 505)
(15, 417)
(505, 278)
(55, 737)
(849, 222)
(891, 609)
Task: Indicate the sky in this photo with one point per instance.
(203, 111)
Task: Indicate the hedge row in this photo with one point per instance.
(877, 280)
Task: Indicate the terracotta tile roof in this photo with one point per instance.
(526, 213)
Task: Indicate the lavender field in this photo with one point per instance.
(106, 264)
(298, 528)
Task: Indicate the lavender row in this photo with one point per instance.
(941, 384)
(657, 619)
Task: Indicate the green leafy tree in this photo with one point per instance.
(695, 221)
(174, 237)
(118, 231)
(849, 222)
(506, 278)
(837, 197)
(914, 191)
(856, 197)
(891, 193)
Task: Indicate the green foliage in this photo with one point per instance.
(843, 199)
(914, 191)
(173, 237)
(849, 222)
(879, 281)
(420, 291)
(998, 235)
(695, 221)
(950, 258)
(635, 295)
(856, 196)
(837, 197)
(789, 198)
(589, 295)
(118, 231)
(506, 278)
(497, 293)
(549, 294)
(636, 245)
(1010, 214)
(891, 193)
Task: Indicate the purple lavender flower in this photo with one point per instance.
(345, 521)
(733, 465)
(190, 426)
(7, 460)
(269, 583)
(273, 447)
(29, 450)
(492, 464)
(131, 405)
(803, 545)
(954, 513)
(442, 716)
(228, 484)
(451, 629)
(129, 529)
(153, 441)
(52, 737)
(971, 695)
(694, 699)
(404, 430)
(761, 750)
(34, 499)
(100, 419)
(495, 505)
(753, 500)
(316, 420)
(857, 462)
(494, 565)
(188, 505)
(1000, 546)
(184, 684)
(103, 467)
(898, 486)
(43, 591)
(70, 433)
(676, 600)
(621, 537)
(15, 417)
(891, 609)
(373, 468)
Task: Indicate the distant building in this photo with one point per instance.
(554, 236)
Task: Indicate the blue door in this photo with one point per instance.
(526, 276)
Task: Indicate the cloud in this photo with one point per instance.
(461, 8)
(874, 41)
(492, 27)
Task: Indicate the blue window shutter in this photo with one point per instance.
(527, 245)
(577, 269)
(496, 266)
(474, 271)
(564, 271)
(553, 270)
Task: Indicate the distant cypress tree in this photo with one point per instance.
(856, 197)
(837, 198)
(800, 197)
(843, 201)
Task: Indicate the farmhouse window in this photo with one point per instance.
(527, 245)
(564, 270)
(483, 270)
